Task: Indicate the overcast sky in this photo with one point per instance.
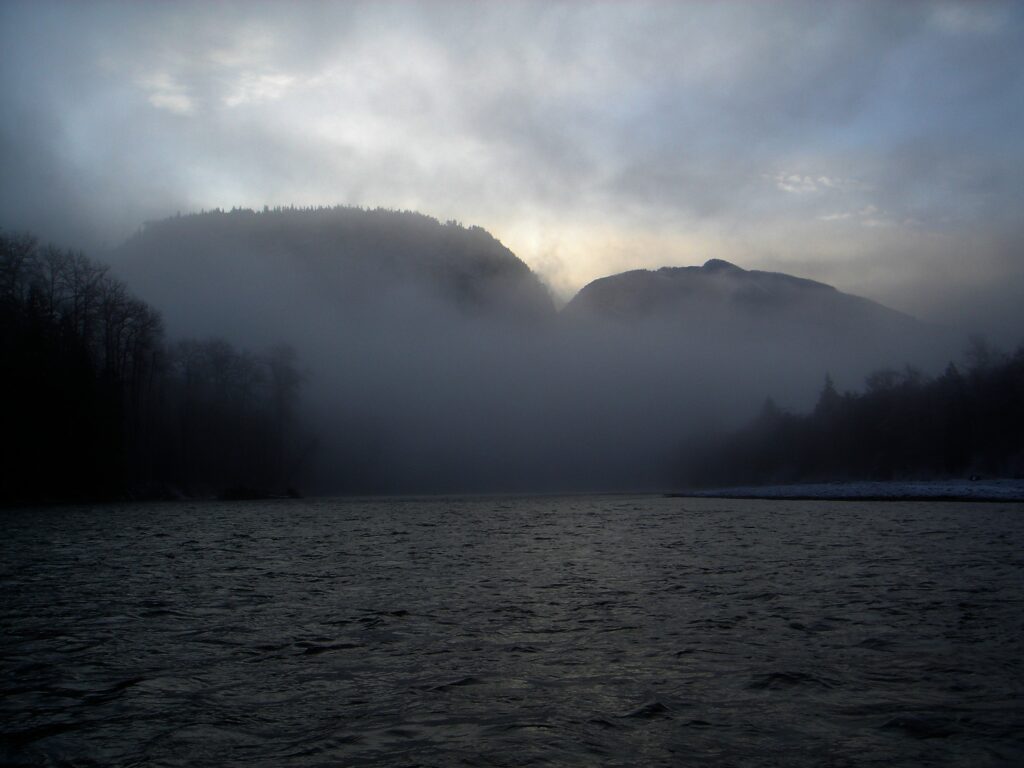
(876, 146)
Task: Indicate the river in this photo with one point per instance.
(602, 630)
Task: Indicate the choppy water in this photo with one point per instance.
(571, 631)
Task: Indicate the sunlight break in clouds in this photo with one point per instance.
(794, 182)
(253, 89)
(164, 92)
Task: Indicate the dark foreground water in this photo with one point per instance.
(572, 631)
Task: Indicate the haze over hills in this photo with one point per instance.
(435, 359)
(591, 143)
(244, 273)
(413, 334)
(720, 291)
(719, 300)
(216, 270)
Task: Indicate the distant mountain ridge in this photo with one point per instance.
(245, 262)
(719, 290)
(248, 262)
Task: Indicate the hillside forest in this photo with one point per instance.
(99, 404)
(968, 421)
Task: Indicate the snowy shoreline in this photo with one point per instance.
(897, 490)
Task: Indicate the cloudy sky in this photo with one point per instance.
(876, 146)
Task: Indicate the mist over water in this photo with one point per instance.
(513, 631)
(436, 361)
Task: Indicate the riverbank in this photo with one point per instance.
(1001, 489)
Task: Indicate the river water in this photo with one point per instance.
(513, 631)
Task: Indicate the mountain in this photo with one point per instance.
(720, 293)
(414, 337)
(242, 272)
(702, 346)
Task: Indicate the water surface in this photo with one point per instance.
(513, 632)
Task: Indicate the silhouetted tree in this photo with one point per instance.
(902, 426)
(828, 400)
(96, 404)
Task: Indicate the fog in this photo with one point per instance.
(419, 399)
(428, 372)
(872, 148)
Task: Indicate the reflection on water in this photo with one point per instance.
(561, 631)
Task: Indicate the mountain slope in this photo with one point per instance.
(240, 271)
(719, 292)
(415, 337)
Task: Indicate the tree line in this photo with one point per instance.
(99, 405)
(968, 421)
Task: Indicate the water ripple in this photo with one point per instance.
(512, 632)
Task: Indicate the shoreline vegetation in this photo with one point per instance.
(905, 428)
(100, 406)
(998, 490)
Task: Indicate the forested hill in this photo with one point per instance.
(904, 425)
(97, 404)
(719, 293)
(244, 268)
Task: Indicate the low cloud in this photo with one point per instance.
(166, 93)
